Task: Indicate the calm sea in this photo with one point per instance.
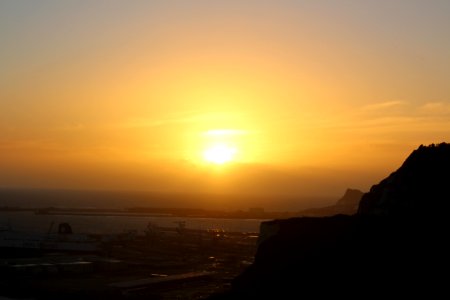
(28, 221)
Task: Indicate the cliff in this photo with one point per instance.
(394, 246)
(346, 205)
(421, 186)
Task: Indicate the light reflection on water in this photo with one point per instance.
(28, 221)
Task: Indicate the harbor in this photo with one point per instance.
(157, 262)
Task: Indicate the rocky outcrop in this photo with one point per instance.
(421, 186)
(350, 199)
(395, 246)
(347, 205)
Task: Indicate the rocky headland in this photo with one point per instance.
(395, 245)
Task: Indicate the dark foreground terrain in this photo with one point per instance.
(395, 246)
(159, 265)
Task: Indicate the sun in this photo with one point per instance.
(219, 154)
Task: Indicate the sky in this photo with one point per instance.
(300, 97)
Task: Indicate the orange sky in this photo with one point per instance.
(314, 97)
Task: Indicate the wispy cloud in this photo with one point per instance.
(435, 108)
(391, 117)
(383, 105)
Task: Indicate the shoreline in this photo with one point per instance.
(258, 214)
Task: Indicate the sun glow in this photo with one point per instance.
(219, 154)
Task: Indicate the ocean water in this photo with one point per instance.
(29, 221)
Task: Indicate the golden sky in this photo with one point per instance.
(310, 97)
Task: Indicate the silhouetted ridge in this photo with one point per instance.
(395, 246)
(351, 198)
(420, 186)
(347, 205)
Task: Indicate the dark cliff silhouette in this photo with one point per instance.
(396, 245)
(421, 186)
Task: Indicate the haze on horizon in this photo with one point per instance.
(302, 97)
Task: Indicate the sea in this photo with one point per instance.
(45, 198)
(30, 222)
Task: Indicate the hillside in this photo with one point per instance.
(394, 245)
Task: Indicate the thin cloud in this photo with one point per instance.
(435, 108)
(383, 105)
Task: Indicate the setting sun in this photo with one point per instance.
(188, 133)
(219, 154)
(177, 90)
